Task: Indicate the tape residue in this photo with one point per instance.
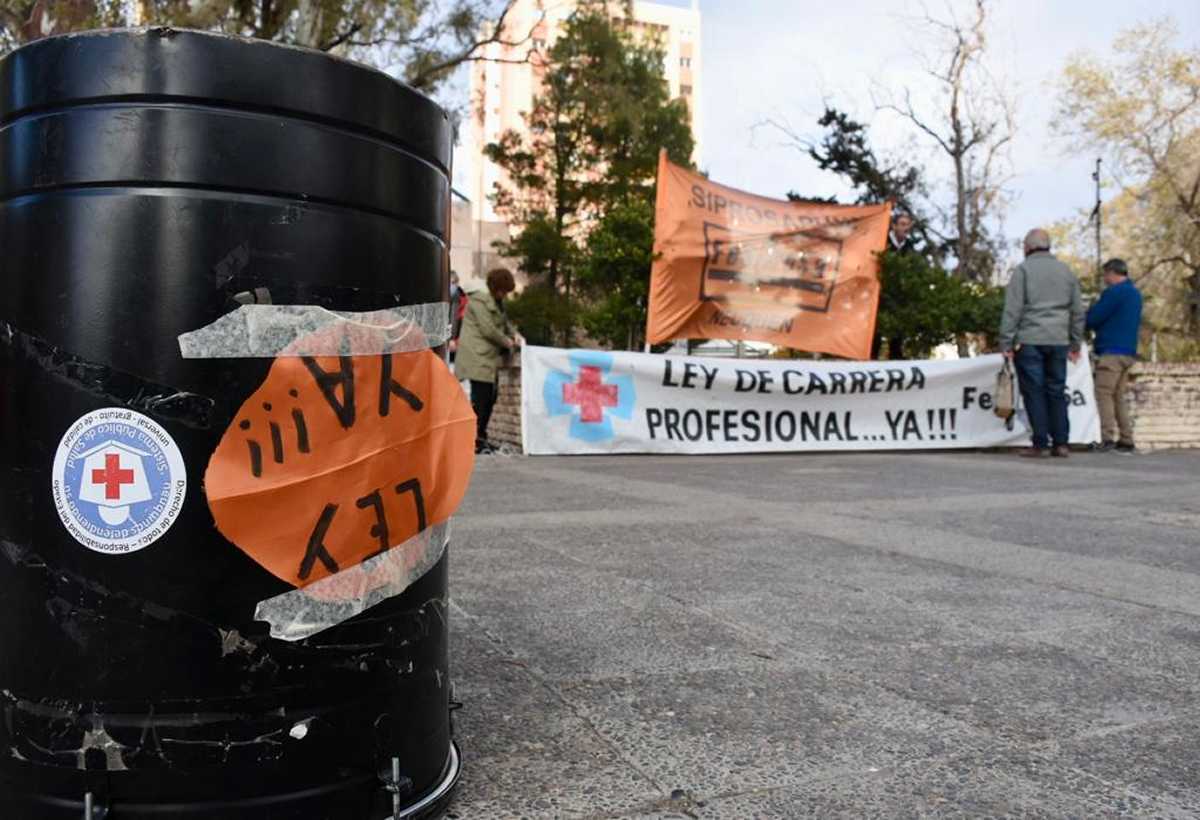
(270, 331)
(302, 613)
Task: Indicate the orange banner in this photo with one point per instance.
(731, 265)
(334, 460)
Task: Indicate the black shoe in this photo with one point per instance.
(484, 448)
(1061, 451)
(1123, 449)
(1103, 447)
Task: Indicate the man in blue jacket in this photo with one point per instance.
(1116, 318)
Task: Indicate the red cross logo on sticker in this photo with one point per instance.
(114, 479)
(112, 476)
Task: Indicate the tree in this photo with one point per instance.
(1141, 107)
(594, 133)
(616, 273)
(1140, 227)
(923, 304)
(845, 151)
(427, 37)
(973, 127)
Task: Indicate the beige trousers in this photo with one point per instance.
(1112, 383)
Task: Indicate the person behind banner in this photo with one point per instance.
(1041, 329)
(487, 335)
(902, 242)
(1116, 318)
(900, 238)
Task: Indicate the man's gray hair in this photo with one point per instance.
(1037, 240)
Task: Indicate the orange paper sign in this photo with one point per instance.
(731, 265)
(336, 459)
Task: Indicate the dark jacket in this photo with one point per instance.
(1116, 318)
(909, 245)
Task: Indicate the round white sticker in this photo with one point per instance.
(119, 481)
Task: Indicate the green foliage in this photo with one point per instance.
(926, 306)
(587, 166)
(846, 151)
(540, 246)
(427, 38)
(544, 315)
(22, 21)
(616, 274)
(920, 304)
(1139, 102)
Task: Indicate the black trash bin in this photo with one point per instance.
(151, 181)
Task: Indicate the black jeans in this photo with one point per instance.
(483, 399)
(1042, 372)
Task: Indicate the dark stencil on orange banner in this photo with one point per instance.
(337, 459)
(794, 269)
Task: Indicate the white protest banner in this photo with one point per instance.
(590, 402)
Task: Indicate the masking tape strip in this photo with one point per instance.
(302, 613)
(269, 331)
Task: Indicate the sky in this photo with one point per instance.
(783, 60)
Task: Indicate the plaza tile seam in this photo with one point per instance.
(1118, 580)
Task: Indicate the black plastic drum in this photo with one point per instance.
(150, 182)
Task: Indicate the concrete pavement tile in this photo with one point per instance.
(1153, 758)
(476, 555)
(1150, 641)
(1023, 690)
(609, 661)
(514, 585)
(618, 638)
(697, 559)
(1077, 532)
(526, 753)
(726, 731)
(807, 608)
(567, 782)
(818, 478)
(506, 709)
(830, 631)
(981, 785)
(491, 491)
(988, 602)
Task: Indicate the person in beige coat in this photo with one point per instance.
(486, 336)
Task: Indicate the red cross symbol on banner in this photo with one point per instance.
(112, 476)
(590, 394)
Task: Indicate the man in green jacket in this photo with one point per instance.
(486, 337)
(1042, 328)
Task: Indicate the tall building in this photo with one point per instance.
(503, 85)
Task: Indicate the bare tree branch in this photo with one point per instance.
(1157, 265)
(974, 130)
(341, 38)
(470, 53)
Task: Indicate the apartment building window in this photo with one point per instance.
(685, 90)
(686, 62)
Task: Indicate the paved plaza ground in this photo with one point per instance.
(845, 635)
